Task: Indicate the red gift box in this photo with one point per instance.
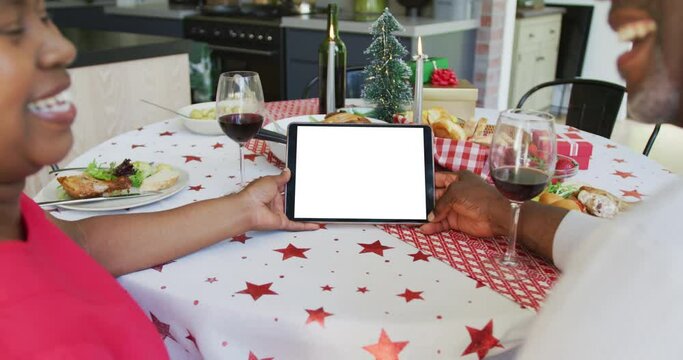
(573, 145)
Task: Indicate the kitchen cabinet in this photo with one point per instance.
(301, 50)
(302, 56)
(537, 40)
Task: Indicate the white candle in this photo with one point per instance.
(331, 99)
(419, 73)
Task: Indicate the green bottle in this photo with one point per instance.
(339, 61)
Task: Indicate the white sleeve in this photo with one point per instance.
(573, 230)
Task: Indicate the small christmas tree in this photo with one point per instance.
(386, 83)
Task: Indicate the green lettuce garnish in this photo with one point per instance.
(143, 170)
(101, 173)
(561, 189)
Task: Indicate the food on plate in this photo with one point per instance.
(85, 186)
(586, 199)
(345, 118)
(549, 198)
(162, 179)
(600, 202)
(99, 180)
(203, 114)
(569, 204)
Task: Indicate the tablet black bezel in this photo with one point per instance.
(292, 133)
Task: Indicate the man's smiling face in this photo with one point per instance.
(652, 68)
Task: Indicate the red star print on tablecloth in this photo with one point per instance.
(482, 341)
(363, 289)
(191, 338)
(610, 146)
(211, 280)
(240, 238)
(479, 285)
(217, 146)
(632, 193)
(254, 357)
(161, 266)
(256, 291)
(620, 161)
(318, 315)
(251, 157)
(419, 256)
(410, 295)
(623, 174)
(163, 328)
(292, 251)
(167, 133)
(189, 158)
(385, 349)
(196, 187)
(135, 146)
(376, 248)
(327, 288)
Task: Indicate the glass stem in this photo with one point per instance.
(511, 252)
(241, 164)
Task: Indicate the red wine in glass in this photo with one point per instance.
(522, 159)
(241, 127)
(519, 183)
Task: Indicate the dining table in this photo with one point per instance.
(344, 291)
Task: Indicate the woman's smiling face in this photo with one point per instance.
(35, 112)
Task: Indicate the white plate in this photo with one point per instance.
(280, 126)
(51, 192)
(203, 126)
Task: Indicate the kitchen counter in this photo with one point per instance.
(102, 47)
(163, 11)
(414, 27)
(69, 4)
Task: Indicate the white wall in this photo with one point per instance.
(506, 60)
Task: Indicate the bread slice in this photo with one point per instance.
(163, 179)
(84, 186)
(345, 118)
(449, 130)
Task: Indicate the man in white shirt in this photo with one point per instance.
(621, 292)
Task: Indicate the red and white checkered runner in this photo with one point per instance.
(475, 257)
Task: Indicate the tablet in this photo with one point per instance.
(365, 173)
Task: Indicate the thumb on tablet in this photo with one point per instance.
(283, 178)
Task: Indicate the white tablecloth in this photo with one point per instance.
(342, 292)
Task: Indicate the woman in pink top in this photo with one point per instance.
(58, 299)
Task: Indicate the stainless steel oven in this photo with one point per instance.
(244, 43)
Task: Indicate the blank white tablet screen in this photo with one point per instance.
(360, 173)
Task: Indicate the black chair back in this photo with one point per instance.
(593, 105)
(354, 83)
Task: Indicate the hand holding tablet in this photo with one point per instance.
(367, 173)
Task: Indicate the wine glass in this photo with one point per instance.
(240, 108)
(522, 161)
